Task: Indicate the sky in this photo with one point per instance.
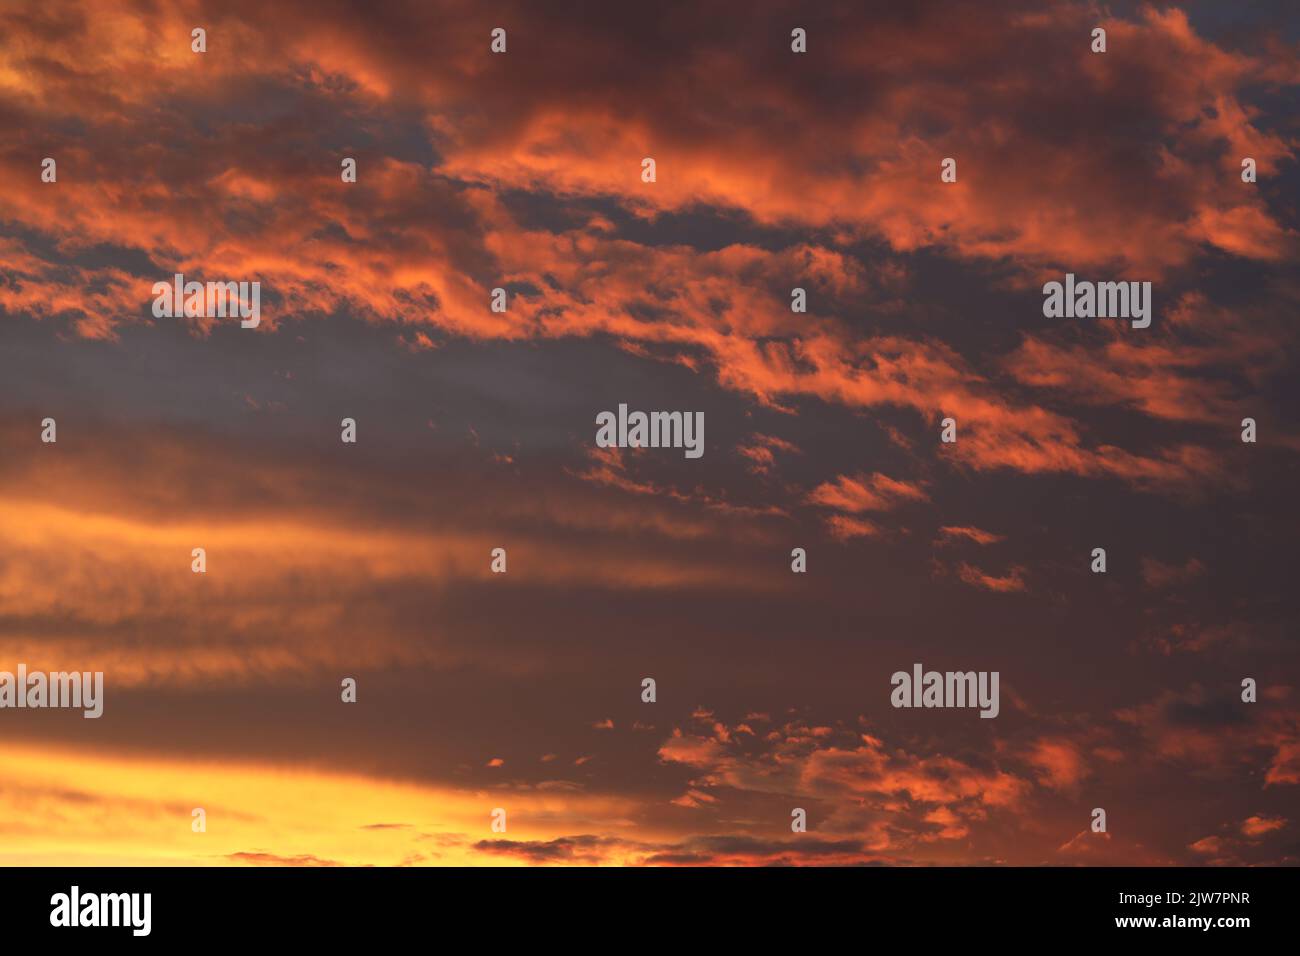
(476, 430)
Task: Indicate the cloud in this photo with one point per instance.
(1059, 762)
(1215, 734)
(1105, 849)
(436, 241)
(722, 850)
(843, 527)
(1258, 826)
(874, 492)
(897, 800)
(1160, 575)
(1013, 581)
(761, 454)
(261, 858)
(585, 849)
(952, 533)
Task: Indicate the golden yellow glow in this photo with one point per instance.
(65, 807)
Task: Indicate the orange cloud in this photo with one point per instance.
(1059, 762)
(1258, 825)
(954, 533)
(1013, 581)
(876, 492)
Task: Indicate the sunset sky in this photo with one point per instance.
(476, 430)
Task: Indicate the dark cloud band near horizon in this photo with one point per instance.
(944, 455)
